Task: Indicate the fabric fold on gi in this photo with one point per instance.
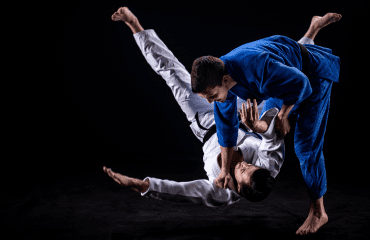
(256, 149)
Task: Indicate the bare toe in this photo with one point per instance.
(318, 22)
(126, 15)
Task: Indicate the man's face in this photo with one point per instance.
(243, 173)
(218, 93)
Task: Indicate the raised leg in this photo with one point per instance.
(317, 23)
(165, 64)
(125, 15)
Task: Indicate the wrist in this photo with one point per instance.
(225, 170)
(284, 111)
(262, 126)
(140, 186)
(281, 115)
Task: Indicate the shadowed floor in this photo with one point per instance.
(93, 206)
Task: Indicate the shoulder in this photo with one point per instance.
(240, 56)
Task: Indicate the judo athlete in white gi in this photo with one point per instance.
(256, 159)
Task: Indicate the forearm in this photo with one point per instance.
(285, 110)
(202, 192)
(226, 156)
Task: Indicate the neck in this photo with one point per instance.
(231, 82)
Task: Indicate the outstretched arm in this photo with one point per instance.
(200, 191)
(136, 184)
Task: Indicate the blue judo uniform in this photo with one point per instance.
(270, 69)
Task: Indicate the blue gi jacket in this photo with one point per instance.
(269, 68)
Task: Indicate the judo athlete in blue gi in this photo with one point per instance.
(295, 78)
(259, 150)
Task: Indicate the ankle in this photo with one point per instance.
(317, 213)
(311, 33)
(135, 26)
(317, 206)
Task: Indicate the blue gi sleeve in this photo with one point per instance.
(278, 80)
(227, 122)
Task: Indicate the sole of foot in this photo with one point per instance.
(318, 22)
(125, 15)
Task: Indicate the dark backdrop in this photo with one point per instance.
(80, 95)
(83, 96)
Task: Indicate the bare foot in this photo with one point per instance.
(124, 14)
(312, 223)
(318, 22)
(120, 179)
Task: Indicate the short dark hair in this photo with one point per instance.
(262, 183)
(206, 72)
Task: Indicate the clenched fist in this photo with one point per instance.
(225, 180)
(282, 125)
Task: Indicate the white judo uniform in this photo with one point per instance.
(264, 150)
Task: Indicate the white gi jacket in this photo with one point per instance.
(267, 153)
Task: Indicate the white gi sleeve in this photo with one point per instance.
(271, 151)
(201, 192)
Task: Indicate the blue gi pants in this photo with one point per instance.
(312, 116)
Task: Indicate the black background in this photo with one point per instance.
(82, 96)
(85, 96)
